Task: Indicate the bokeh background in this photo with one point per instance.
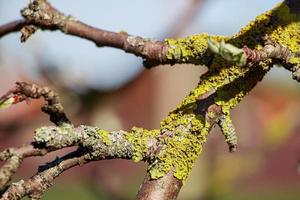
(108, 88)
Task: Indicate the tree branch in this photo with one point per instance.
(38, 184)
(166, 187)
(22, 91)
(235, 65)
(14, 158)
(13, 26)
(41, 14)
(93, 143)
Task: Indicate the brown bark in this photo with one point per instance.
(165, 188)
(12, 27)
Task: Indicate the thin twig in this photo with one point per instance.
(11, 27)
(39, 183)
(14, 158)
(22, 91)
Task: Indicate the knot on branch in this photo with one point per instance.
(41, 13)
(27, 31)
(276, 50)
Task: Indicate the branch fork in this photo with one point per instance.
(172, 149)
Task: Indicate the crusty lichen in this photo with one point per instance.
(184, 146)
(52, 136)
(105, 137)
(183, 132)
(141, 139)
(179, 152)
(295, 62)
(287, 26)
(191, 49)
(231, 83)
(40, 12)
(228, 130)
(279, 25)
(186, 48)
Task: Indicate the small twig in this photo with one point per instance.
(8, 170)
(22, 91)
(228, 130)
(270, 50)
(14, 158)
(36, 186)
(42, 14)
(11, 27)
(276, 51)
(25, 151)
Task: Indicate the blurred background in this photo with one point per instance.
(108, 88)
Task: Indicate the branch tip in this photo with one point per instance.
(228, 130)
(23, 91)
(27, 31)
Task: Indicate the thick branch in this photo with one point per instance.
(166, 188)
(94, 143)
(172, 150)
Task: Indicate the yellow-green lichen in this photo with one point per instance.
(287, 28)
(189, 49)
(250, 34)
(174, 120)
(185, 48)
(189, 132)
(278, 24)
(231, 83)
(295, 61)
(105, 137)
(231, 94)
(228, 130)
(211, 114)
(140, 139)
(213, 80)
(179, 154)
